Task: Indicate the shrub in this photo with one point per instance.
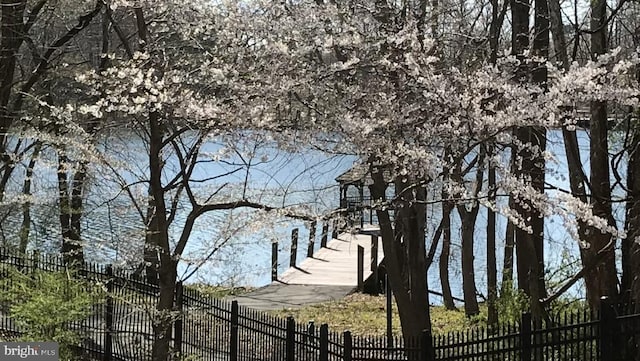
(43, 304)
(512, 303)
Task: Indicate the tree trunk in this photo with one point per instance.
(497, 19)
(11, 37)
(537, 171)
(468, 219)
(70, 209)
(601, 280)
(630, 247)
(445, 255)
(557, 33)
(507, 263)
(520, 44)
(519, 27)
(601, 264)
(529, 246)
(469, 290)
(157, 233)
(492, 272)
(25, 228)
(151, 248)
(405, 253)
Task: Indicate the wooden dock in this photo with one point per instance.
(330, 274)
(336, 264)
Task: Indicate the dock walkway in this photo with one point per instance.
(330, 274)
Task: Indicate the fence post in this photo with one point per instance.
(334, 232)
(525, 337)
(108, 317)
(389, 309)
(325, 234)
(177, 326)
(274, 261)
(311, 332)
(233, 344)
(21, 261)
(426, 346)
(35, 257)
(324, 342)
(312, 238)
(291, 334)
(360, 268)
(348, 346)
(608, 328)
(294, 247)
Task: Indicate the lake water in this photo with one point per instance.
(113, 229)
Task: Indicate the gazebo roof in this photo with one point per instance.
(355, 175)
(359, 175)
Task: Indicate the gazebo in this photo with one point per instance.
(354, 206)
(358, 177)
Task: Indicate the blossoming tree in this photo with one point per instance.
(364, 72)
(358, 77)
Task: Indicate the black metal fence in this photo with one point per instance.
(206, 328)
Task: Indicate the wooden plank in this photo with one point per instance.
(335, 265)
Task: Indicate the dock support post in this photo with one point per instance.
(360, 268)
(325, 234)
(361, 205)
(274, 261)
(334, 233)
(294, 247)
(312, 238)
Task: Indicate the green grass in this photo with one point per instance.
(218, 291)
(365, 315)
